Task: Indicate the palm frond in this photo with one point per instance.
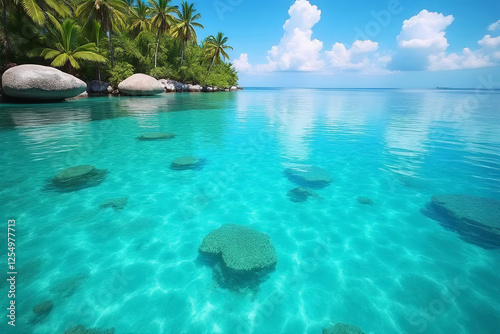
(89, 56)
(34, 11)
(60, 60)
(50, 53)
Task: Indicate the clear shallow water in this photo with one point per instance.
(386, 267)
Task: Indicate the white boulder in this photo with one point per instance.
(37, 82)
(139, 85)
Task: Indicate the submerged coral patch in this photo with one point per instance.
(78, 177)
(188, 162)
(342, 328)
(156, 136)
(80, 329)
(475, 219)
(43, 308)
(308, 176)
(301, 194)
(115, 203)
(242, 255)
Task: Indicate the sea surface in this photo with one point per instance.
(385, 267)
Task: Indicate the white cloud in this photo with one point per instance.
(354, 58)
(423, 44)
(489, 42)
(494, 26)
(421, 36)
(426, 30)
(454, 61)
(297, 51)
(364, 46)
(241, 64)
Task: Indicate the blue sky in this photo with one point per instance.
(360, 43)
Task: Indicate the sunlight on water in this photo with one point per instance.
(360, 250)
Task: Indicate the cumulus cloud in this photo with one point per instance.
(354, 58)
(489, 42)
(494, 26)
(454, 61)
(241, 64)
(297, 51)
(421, 36)
(422, 46)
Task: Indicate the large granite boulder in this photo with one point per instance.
(36, 82)
(174, 86)
(194, 88)
(167, 85)
(156, 136)
(78, 177)
(243, 256)
(342, 328)
(83, 95)
(308, 176)
(189, 162)
(476, 219)
(96, 87)
(140, 85)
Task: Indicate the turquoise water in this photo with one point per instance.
(385, 267)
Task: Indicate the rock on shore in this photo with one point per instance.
(140, 85)
(37, 82)
(96, 87)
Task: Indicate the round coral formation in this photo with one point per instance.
(243, 256)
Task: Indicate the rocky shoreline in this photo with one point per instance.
(97, 88)
(45, 83)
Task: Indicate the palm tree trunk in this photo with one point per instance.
(5, 30)
(111, 51)
(157, 45)
(99, 72)
(182, 54)
(212, 64)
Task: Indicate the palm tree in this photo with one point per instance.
(139, 17)
(184, 29)
(36, 9)
(162, 19)
(96, 38)
(5, 3)
(215, 47)
(67, 52)
(109, 13)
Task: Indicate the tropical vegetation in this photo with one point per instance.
(109, 40)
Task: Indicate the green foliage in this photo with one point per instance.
(67, 51)
(164, 72)
(120, 72)
(215, 48)
(222, 75)
(144, 35)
